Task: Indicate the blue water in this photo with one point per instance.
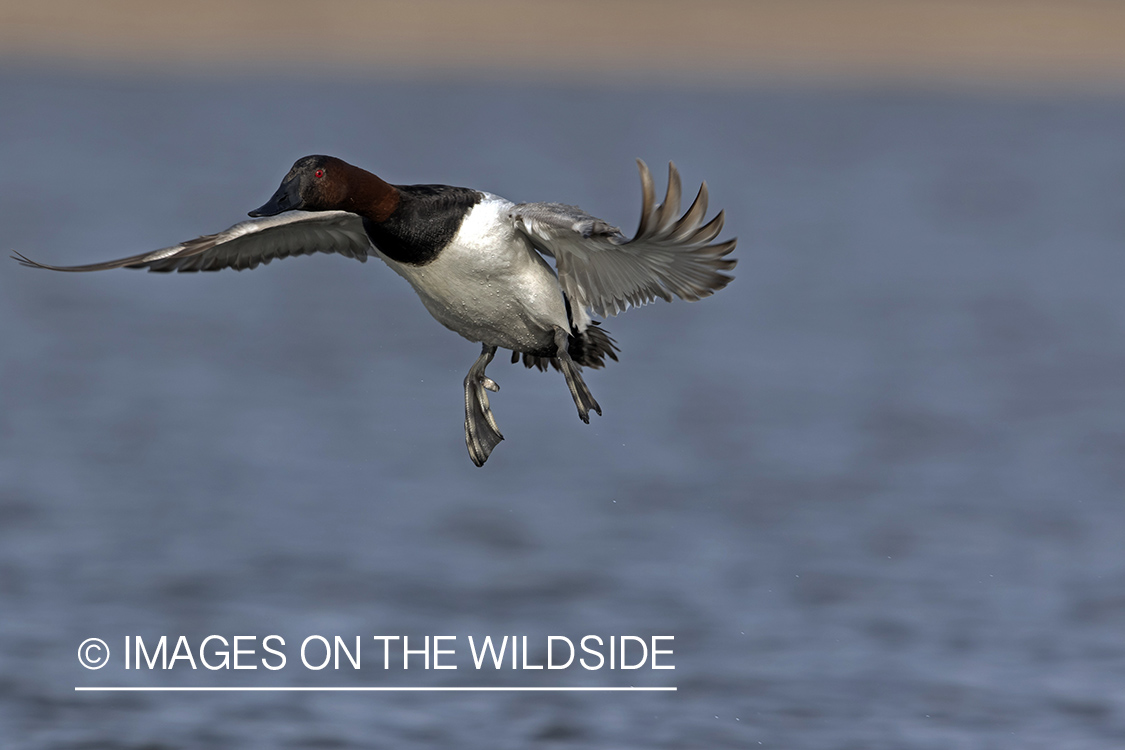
(874, 488)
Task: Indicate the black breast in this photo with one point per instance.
(427, 218)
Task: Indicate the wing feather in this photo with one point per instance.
(247, 244)
(602, 270)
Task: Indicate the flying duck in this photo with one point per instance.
(476, 261)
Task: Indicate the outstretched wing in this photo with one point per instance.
(248, 244)
(602, 270)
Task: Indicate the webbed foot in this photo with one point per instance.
(583, 399)
(481, 432)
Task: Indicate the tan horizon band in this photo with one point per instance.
(1059, 42)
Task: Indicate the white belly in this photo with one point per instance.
(489, 284)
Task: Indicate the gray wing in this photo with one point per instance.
(248, 244)
(602, 270)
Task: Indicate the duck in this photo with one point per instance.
(478, 262)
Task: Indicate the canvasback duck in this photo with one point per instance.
(476, 261)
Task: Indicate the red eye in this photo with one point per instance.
(318, 173)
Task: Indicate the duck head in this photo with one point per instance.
(325, 183)
(315, 183)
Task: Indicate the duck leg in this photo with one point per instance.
(583, 399)
(481, 432)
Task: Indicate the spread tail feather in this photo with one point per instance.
(588, 349)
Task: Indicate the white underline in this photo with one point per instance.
(374, 689)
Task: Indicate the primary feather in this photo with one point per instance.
(248, 244)
(602, 270)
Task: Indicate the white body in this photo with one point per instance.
(489, 284)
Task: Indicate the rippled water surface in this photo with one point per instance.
(874, 488)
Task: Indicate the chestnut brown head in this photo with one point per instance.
(315, 183)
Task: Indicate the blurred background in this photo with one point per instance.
(873, 488)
